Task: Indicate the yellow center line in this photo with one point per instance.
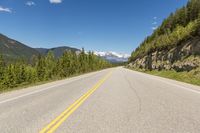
(53, 125)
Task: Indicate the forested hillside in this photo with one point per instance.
(178, 27)
(48, 67)
(12, 49)
(173, 50)
(57, 51)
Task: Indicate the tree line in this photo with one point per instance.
(179, 26)
(44, 68)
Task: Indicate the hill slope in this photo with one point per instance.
(174, 45)
(12, 49)
(58, 51)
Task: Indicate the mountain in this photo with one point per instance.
(12, 49)
(174, 45)
(58, 51)
(113, 57)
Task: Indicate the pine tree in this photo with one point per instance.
(2, 66)
(2, 71)
(47, 67)
(40, 67)
(10, 77)
(50, 65)
(83, 61)
(31, 74)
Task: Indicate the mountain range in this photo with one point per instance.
(113, 57)
(12, 49)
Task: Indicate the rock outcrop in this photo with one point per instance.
(183, 57)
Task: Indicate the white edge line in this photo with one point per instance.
(40, 90)
(185, 88)
(30, 93)
(167, 82)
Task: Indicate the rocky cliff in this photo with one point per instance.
(183, 57)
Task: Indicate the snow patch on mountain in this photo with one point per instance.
(113, 56)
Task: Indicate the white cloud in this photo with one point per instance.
(154, 27)
(30, 3)
(4, 9)
(55, 1)
(154, 23)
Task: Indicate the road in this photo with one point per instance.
(115, 100)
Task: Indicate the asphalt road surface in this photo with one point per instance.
(115, 100)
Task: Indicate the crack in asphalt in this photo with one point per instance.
(135, 92)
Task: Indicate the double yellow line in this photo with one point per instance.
(53, 125)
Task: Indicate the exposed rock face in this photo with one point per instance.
(184, 57)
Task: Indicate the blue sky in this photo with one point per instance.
(102, 25)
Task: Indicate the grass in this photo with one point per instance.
(192, 77)
(26, 85)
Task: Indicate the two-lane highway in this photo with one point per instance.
(115, 100)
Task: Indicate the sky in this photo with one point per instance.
(97, 25)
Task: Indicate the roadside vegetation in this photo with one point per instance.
(179, 26)
(46, 68)
(192, 77)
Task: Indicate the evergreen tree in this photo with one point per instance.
(2, 66)
(45, 68)
(40, 67)
(10, 77)
(50, 65)
(2, 71)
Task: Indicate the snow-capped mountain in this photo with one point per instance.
(113, 56)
